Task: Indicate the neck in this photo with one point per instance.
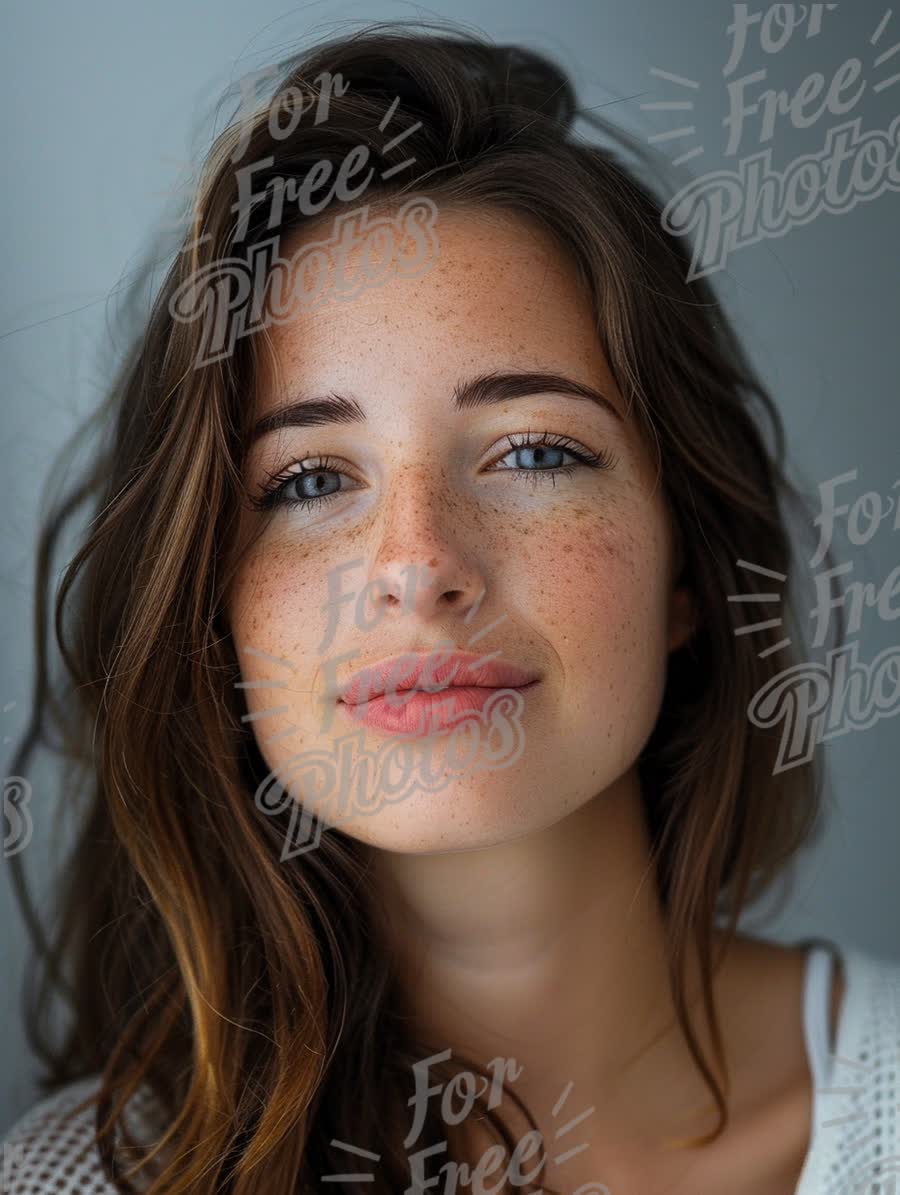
(551, 949)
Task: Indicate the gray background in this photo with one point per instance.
(104, 105)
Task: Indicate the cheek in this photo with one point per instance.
(277, 643)
(268, 613)
(599, 595)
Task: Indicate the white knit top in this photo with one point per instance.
(854, 1147)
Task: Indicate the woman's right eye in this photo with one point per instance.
(307, 487)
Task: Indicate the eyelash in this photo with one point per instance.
(273, 491)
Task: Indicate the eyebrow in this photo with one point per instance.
(480, 391)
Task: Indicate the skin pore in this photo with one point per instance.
(517, 901)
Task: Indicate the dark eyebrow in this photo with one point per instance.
(479, 391)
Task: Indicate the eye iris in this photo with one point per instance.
(539, 454)
(319, 480)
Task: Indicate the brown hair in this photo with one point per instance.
(241, 989)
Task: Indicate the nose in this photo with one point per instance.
(421, 565)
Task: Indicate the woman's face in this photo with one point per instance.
(444, 525)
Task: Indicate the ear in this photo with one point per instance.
(682, 617)
(682, 608)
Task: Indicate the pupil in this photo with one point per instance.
(314, 483)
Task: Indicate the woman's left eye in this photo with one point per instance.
(543, 457)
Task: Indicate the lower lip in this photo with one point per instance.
(417, 714)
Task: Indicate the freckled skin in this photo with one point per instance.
(578, 573)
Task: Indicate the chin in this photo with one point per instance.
(461, 816)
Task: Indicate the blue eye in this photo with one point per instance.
(311, 485)
(546, 451)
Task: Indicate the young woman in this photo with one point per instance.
(423, 799)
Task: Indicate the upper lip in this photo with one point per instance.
(432, 671)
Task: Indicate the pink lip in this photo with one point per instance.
(421, 713)
(445, 684)
(432, 671)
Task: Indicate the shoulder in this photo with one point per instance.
(856, 1136)
(867, 1017)
(52, 1148)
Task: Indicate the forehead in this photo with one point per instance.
(498, 292)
